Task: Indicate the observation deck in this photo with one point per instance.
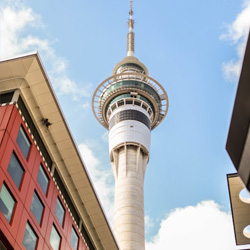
(130, 84)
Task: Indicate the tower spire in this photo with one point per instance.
(131, 34)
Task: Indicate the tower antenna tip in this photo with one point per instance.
(131, 9)
(130, 36)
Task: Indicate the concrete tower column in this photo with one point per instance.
(129, 142)
(129, 165)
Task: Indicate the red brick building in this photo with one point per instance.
(47, 200)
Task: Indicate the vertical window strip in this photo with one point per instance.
(74, 239)
(37, 207)
(55, 238)
(7, 202)
(30, 238)
(23, 142)
(15, 170)
(43, 179)
(60, 211)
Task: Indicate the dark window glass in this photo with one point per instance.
(59, 211)
(87, 238)
(74, 239)
(30, 238)
(23, 142)
(129, 115)
(37, 208)
(55, 238)
(15, 170)
(7, 203)
(135, 84)
(130, 65)
(5, 98)
(43, 179)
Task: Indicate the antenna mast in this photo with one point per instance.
(131, 34)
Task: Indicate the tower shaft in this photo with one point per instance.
(129, 165)
(129, 142)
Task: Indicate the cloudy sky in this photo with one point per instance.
(194, 49)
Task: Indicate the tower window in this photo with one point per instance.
(7, 203)
(43, 179)
(23, 142)
(129, 101)
(37, 207)
(15, 170)
(120, 103)
(30, 238)
(129, 115)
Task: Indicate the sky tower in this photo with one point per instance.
(129, 104)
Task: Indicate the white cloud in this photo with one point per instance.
(15, 19)
(203, 226)
(231, 69)
(105, 136)
(101, 179)
(148, 223)
(237, 32)
(86, 106)
(17, 22)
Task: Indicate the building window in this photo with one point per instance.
(59, 211)
(30, 238)
(23, 142)
(55, 238)
(15, 170)
(37, 207)
(43, 179)
(7, 203)
(74, 239)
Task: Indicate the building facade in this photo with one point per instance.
(47, 200)
(130, 104)
(238, 148)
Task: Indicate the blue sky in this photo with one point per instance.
(194, 49)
